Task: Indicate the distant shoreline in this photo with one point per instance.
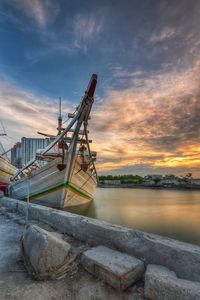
(141, 186)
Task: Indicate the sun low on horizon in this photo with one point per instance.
(146, 113)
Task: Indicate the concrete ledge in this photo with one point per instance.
(161, 283)
(118, 269)
(182, 258)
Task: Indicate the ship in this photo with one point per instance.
(63, 175)
(7, 170)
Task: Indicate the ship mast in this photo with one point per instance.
(82, 118)
(59, 118)
(3, 134)
(79, 118)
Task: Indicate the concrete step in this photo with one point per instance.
(118, 269)
(161, 283)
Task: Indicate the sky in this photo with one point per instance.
(146, 114)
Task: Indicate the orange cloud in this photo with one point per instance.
(155, 121)
(151, 125)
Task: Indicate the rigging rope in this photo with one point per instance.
(2, 126)
(27, 204)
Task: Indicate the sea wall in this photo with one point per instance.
(182, 258)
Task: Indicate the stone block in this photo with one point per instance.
(118, 269)
(161, 283)
(45, 255)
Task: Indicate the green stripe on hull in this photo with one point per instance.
(57, 187)
(78, 191)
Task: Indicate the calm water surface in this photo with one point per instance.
(173, 213)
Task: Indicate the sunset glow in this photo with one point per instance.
(146, 114)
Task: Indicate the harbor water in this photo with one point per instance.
(172, 213)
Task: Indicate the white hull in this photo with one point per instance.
(6, 170)
(47, 186)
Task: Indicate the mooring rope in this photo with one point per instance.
(27, 204)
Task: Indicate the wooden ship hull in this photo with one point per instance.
(62, 175)
(7, 170)
(48, 186)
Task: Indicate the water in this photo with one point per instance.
(173, 213)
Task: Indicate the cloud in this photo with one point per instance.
(155, 121)
(86, 29)
(23, 113)
(148, 117)
(78, 35)
(53, 46)
(43, 12)
(150, 126)
(163, 34)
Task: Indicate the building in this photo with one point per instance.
(111, 182)
(153, 177)
(24, 151)
(195, 181)
(16, 157)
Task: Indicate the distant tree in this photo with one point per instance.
(127, 178)
(170, 176)
(157, 180)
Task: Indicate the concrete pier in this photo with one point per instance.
(16, 284)
(181, 258)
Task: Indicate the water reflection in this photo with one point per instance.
(173, 213)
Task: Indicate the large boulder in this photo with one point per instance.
(45, 255)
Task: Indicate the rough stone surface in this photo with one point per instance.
(45, 255)
(115, 268)
(180, 257)
(15, 284)
(161, 283)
